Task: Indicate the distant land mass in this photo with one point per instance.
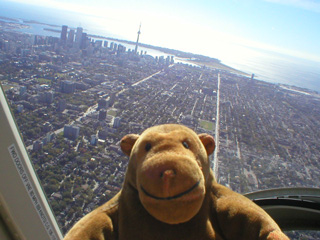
(40, 23)
(9, 19)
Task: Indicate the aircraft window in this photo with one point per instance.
(246, 72)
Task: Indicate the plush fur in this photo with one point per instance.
(170, 192)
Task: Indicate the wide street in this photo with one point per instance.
(217, 129)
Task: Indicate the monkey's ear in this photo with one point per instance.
(127, 143)
(208, 142)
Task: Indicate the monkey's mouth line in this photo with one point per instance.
(172, 197)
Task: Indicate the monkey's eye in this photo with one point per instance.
(148, 147)
(185, 144)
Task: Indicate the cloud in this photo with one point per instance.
(311, 5)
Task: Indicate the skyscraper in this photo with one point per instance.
(61, 105)
(112, 99)
(116, 122)
(71, 37)
(63, 36)
(67, 86)
(83, 43)
(136, 49)
(102, 104)
(71, 132)
(78, 36)
(102, 115)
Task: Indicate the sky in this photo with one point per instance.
(284, 26)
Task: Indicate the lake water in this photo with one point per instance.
(266, 65)
(277, 68)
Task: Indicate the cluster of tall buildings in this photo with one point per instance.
(73, 38)
(78, 39)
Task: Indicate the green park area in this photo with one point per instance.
(112, 112)
(44, 81)
(6, 86)
(206, 125)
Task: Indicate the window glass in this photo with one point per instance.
(79, 76)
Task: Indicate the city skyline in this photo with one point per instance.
(288, 27)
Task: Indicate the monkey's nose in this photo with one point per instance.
(167, 177)
(167, 174)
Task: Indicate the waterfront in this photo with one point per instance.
(270, 66)
(277, 68)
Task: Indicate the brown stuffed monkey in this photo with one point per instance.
(170, 193)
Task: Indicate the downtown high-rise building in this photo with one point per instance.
(67, 86)
(63, 36)
(70, 37)
(83, 43)
(116, 122)
(71, 132)
(78, 37)
(102, 115)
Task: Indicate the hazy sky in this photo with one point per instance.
(286, 26)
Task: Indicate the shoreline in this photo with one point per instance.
(216, 65)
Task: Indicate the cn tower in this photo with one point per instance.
(136, 49)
